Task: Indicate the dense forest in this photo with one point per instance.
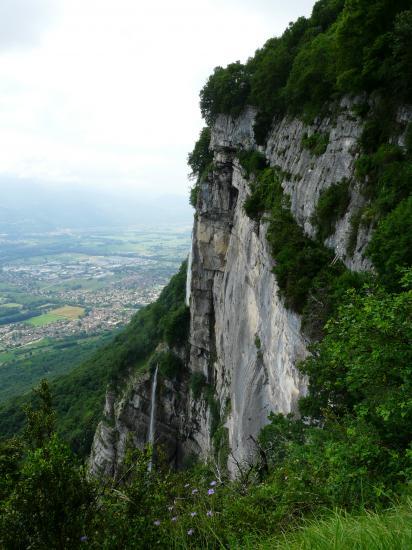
(337, 476)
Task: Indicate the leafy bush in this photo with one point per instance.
(170, 365)
(362, 366)
(197, 384)
(252, 162)
(401, 54)
(332, 205)
(201, 156)
(176, 326)
(316, 143)
(49, 504)
(390, 248)
(226, 91)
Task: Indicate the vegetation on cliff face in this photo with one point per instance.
(309, 279)
(200, 162)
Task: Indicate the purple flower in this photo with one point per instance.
(213, 483)
(194, 491)
(193, 514)
(209, 513)
(211, 492)
(83, 538)
(174, 518)
(157, 522)
(190, 532)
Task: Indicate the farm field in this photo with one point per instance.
(68, 313)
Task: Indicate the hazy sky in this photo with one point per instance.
(105, 92)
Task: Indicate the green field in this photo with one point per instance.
(23, 367)
(68, 313)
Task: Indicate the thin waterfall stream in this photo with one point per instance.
(152, 416)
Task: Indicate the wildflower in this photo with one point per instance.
(211, 492)
(213, 483)
(190, 532)
(174, 518)
(157, 522)
(209, 513)
(193, 514)
(194, 491)
(170, 508)
(187, 485)
(83, 538)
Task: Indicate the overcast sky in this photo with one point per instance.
(105, 92)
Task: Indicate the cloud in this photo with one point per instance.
(107, 91)
(23, 22)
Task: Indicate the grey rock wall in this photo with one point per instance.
(243, 340)
(126, 419)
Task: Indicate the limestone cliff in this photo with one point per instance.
(243, 341)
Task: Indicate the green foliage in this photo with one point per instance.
(390, 248)
(26, 366)
(194, 195)
(308, 279)
(49, 505)
(355, 224)
(312, 77)
(363, 365)
(197, 384)
(201, 156)
(332, 205)
(50, 502)
(226, 91)
(385, 172)
(40, 421)
(170, 365)
(176, 326)
(200, 163)
(361, 109)
(252, 162)
(316, 143)
(343, 48)
(402, 55)
(11, 453)
(408, 139)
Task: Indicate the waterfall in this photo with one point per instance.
(152, 415)
(189, 276)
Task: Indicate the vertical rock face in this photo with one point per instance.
(243, 342)
(254, 343)
(242, 337)
(126, 423)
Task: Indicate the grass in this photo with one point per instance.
(68, 313)
(391, 530)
